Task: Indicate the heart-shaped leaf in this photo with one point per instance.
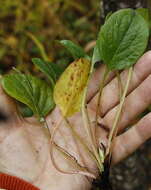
(123, 39)
(31, 91)
(69, 89)
(75, 50)
(51, 70)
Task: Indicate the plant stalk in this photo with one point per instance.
(119, 84)
(75, 134)
(87, 122)
(88, 130)
(118, 114)
(79, 169)
(100, 94)
(98, 107)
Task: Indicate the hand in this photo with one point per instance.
(25, 148)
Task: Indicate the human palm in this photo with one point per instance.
(25, 144)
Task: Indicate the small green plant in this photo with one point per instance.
(121, 41)
(31, 91)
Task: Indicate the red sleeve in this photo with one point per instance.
(14, 183)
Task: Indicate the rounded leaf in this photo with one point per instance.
(123, 39)
(31, 91)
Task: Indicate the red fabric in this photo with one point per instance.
(14, 183)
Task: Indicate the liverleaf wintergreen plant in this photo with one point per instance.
(121, 41)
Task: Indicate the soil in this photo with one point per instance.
(134, 173)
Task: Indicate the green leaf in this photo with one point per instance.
(123, 39)
(96, 57)
(51, 70)
(31, 91)
(144, 12)
(75, 50)
(69, 89)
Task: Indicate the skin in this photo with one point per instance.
(25, 144)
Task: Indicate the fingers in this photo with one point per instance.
(110, 96)
(129, 141)
(135, 103)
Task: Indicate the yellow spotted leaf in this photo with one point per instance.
(68, 91)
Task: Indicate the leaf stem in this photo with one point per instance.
(87, 125)
(47, 127)
(98, 107)
(79, 169)
(106, 72)
(118, 114)
(87, 122)
(75, 134)
(119, 84)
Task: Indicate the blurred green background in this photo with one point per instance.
(24, 22)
